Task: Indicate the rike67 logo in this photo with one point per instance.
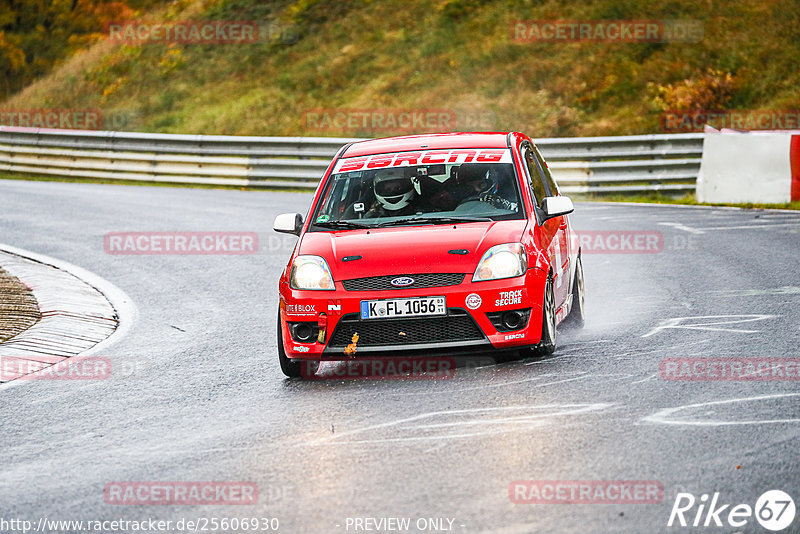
(774, 510)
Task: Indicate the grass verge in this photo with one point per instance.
(19, 309)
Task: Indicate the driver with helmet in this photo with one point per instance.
(478, 183)
(394, 193)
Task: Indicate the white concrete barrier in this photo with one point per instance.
(758, 167)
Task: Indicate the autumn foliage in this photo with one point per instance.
(36, 34)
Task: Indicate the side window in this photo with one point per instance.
(537, 186)
(548, 177)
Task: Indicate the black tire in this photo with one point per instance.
(293, 368)
(547, 345)
(577, 313)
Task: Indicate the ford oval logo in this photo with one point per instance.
(402, 281)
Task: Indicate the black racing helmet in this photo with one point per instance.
(480, 177)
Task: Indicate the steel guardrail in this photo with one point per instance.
(624, 164)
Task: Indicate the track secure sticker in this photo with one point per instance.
(509, 298)
(473, 301)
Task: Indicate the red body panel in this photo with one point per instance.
(794, 159)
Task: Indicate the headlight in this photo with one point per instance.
(502, 261)
(311, 272)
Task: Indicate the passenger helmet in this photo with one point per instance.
(393, 189)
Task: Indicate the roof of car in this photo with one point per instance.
(429, 142)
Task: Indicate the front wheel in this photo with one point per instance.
(577, 313)
(547, 345)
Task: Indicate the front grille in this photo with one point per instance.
(456, 326)
(382, 283)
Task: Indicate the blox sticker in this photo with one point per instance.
(301, 309)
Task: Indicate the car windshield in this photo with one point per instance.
(431, 187)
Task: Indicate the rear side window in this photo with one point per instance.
(535, 177)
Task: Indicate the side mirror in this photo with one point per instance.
(288, 223)
(557, 206)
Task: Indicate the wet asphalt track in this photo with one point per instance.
(197, 393)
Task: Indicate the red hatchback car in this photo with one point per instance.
(427, 244)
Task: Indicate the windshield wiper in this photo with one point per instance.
(433, 220)
(342, 225)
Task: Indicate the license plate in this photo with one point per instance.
(382, 309)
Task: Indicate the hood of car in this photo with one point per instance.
(409, 250)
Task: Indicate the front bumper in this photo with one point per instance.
(471, 322)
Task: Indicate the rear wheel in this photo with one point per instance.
(577, 313)
(293, 368)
